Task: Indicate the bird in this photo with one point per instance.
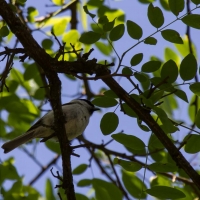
(76, 113)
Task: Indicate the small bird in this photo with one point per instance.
(77, 114)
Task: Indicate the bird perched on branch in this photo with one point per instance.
(77, 114)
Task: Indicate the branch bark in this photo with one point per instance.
(34, 50)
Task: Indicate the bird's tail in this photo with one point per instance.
(9, 146)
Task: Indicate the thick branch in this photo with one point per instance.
(156, 129)
(46, 63)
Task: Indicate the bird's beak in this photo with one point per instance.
(95, 109)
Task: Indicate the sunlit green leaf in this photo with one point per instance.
(197, 119)
(171, 55)
(32, 13)
(105, 49)
(49, 190)
(4, 31)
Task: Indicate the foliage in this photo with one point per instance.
(131, 168)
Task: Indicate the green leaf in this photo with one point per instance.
(87, 12)
(90, 37)
(47, 43)
(166, 122)
(109, 123)
(193, 143)
(80, 169)
(72, 36)
(105, 102)
(32, 13)
(103, 20)
(172, 36)
(53, 146)
(142, 126)
(197, 119)
(163, 167)
(183, 48)
(128, 111)
(165, 4)
(117, 32)
(4, 31)
(105, 49)
(169, 54)
(155, 16)
(164, 192)
(151, 41)
(60, 27)
(151, 66)
(133, 185)
(196, 1)
(130, 141)
(188, 67)
(84, 182)
(170, 70)
(58, 2)
(110, 93)
(136, 59)
(182, 95)
(195, 88)
(127, 165)
(176, 6)
(8, 171)
(81, 197)
(49, 190)
(140, 77)
(192, 20)
(134, 30)
(127, 71)
(106, 190)
(109, 26)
